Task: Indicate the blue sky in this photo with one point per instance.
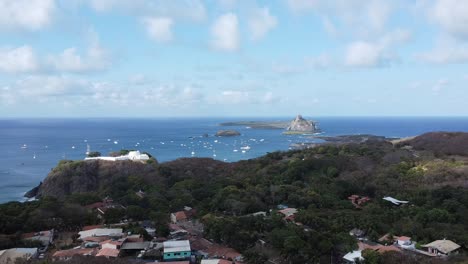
(153, 58)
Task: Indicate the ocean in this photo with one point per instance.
(30, 148)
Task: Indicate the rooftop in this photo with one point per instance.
(108, 252)
(444, 246)
(176, 246)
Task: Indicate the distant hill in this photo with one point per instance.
(445, 143)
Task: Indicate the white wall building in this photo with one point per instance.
(132, 155)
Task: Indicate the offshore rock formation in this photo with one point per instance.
(227, 133)
(301, 125)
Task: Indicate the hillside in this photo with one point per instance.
(441, 143)
(317, 181)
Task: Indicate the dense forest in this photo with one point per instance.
(317, 181)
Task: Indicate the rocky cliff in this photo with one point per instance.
(301, 125)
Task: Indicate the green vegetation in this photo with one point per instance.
(317, 181)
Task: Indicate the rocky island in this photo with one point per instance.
(227, 133)
(302, 126)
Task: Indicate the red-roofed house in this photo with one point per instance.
(86, 228)
(403, 240)
(179, 217)
(69, 253)
(108, 253)
(113, 244)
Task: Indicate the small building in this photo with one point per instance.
(215, 261)
(179, 217)
(98, 232)
(176, 250)
(353, 256)
(358, 233)
(12, 254)
(442, 247)
(394, 201)
(403, 240)
(113, 244)
(69, 253)
(108, 253)
(288, 211)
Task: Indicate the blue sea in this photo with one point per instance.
(30, 148)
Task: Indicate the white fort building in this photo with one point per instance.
(132, 155)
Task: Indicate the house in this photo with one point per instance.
(149, 227)
(12, 254)
(45, 237)
(394, 201)
(351, 257)
(442, 247)
(403, 240)
(132, 155)
(176, 250)
(100, 232)
(218, 251)
(108, 253)
(356, 232)
(288, 211)
(215, 261)
(377, 247)
(113, 244)
(69, 253)
(179, 217)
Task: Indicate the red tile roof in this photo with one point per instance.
(403, 238)
(180, 215)
(86, 228)
(74, 252)
(108, 252)
(95, 239)
(377, 247)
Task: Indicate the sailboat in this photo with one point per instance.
(88, 149)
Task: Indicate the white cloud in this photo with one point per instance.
(225, 33)
(445, 51)
(261, 22)
(440, 85)
(26, 14)
(375, 54)
(193, 10)
(23, 59)
(364, 54)
(18, 60)
(452, 16)
(361, 17)
(159, 28)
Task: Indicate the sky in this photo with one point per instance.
(194, 58)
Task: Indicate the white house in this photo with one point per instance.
(351, 257)
(12, 254)
(394, 201)
(403, 241)
(132, 155)
(96, 232)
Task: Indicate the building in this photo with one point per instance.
(176, 250)
(69, 253)
(101, 232)
(351, 257)
(113, 244)
(12, 254)
(394, 201)
(108, 253)
(215, 261)
(442, 247)
(132, 155)
(403, 240)
(179, 217)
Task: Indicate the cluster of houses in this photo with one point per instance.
(43, 239)
(184, 245)
(388, 243)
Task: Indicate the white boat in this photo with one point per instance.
(245, 148)
(193, 153)
(73, 147)
(34, 156)
(235, 150)
(243, 151)
(88, 149)
(24, 146)
(116, 142)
